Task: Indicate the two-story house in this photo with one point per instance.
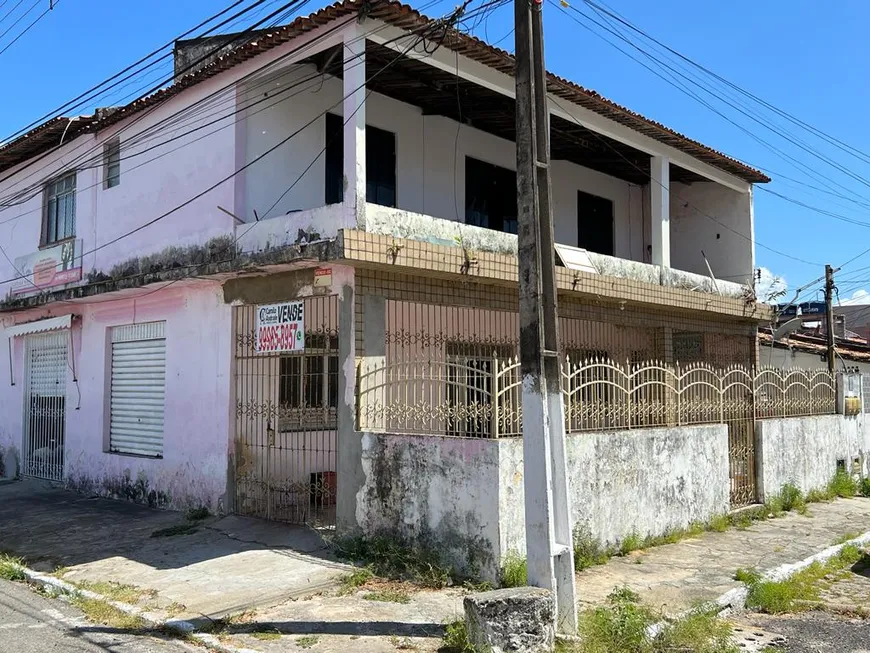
(359, 160)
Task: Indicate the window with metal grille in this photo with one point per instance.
(308, 385)
(112, 163)
(471, 385)
(138, 389)
(59, 221)
(380, 163)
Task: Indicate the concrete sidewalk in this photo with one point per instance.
(675, 577)
(222, 566)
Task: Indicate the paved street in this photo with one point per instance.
(816, 632)
(30, 623)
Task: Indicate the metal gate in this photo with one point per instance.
(286, 420)
(44, 405)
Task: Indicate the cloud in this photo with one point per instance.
(858, 297)
(769, 287)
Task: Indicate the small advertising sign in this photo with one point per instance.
(281, 327)
(322, 277)
(53, 266)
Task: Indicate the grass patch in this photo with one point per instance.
(197, 514)
(351, 582)
(622, 626)
(588, 551)
(116, 591)
(791, 498)
(101, 612)
(513, 571)
(631, 542)
(307, 641)
(267, 635)
(178, 529)
(11, 568)
(388, 596)
(800, 590)
(843, 485)
(820, 495)
(456, 638)
(174, 609)
(747, 576)
(845, 537)
(389, 559)
(864, 487)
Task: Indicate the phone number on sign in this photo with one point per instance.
(280, 337)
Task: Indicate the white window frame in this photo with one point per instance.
(60, 192)
(152, 335)
(112, 163)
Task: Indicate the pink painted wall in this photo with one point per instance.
(193, 470)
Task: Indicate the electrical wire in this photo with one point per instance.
(30, 26)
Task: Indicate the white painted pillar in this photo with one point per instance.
(659, 192)
(354, 130)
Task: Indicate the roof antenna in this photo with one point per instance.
(710, 271)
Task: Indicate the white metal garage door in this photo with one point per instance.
(138, 388)
(45, 404)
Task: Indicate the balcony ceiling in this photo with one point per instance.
(437, 92)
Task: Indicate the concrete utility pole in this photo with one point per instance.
(549, 548)
(829, 317)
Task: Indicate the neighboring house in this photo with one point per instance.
(337, 161)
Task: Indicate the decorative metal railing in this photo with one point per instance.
(481, 397)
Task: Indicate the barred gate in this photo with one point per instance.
(45, 405)
(286, 420)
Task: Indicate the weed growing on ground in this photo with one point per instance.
(266, 635)
(801, 589)
(513, 571)
(116, 591)
(197, 514)
(388, 596)
(102, 612)
(864, 487)
(387, 558)
(354, 580)
(623, 626)
(307, 641)
(631, 542)
(820, 495)
(843, 485)
(178, 529)
(719, 523)
(747, 576)
(791, 498)
(588, 551)
(11, 568)
(845, 537)
(456, 638)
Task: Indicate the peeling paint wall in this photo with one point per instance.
(193, 469)
(436, 492)
(805, 450)
(465, 497)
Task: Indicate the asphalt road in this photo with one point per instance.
(31, 623)
(815, 632)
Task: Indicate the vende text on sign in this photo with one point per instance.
(281, 327)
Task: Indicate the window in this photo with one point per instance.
(112, 163)
(490, 196)
(380, 163)
(594, 223)
(59, 222)
(138, 392)
(470, 387)
(308, 385)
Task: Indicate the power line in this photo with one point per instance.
(29, 27)
(19, 19)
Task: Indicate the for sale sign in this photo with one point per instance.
(281, 327)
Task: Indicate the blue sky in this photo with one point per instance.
(803, 57)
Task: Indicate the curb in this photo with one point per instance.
(735, 600)
(181, 626)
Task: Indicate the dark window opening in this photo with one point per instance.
(490, 196)
(380, 163)
(594, 223)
